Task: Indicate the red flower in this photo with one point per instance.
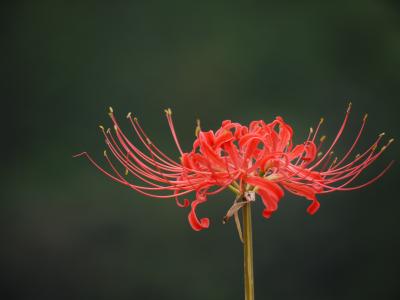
(259, 158)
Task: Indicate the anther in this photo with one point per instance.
(321, 120)
(105, 153)
(382, 134)
(168, 111)
(319, 154)
(349, 107)
(311, 130)
(322, 138)
(128, 115)
(387, 145)
(101, 127)
(198, 128)
(111, 109)
(365, 117)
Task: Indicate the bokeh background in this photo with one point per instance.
(67, 232)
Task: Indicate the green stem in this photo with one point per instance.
(248, 253)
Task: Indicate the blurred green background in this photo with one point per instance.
(70, 233)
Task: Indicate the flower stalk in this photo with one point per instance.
(248, 252)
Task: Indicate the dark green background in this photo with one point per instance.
(70, 233)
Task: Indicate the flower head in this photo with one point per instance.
(258, 158)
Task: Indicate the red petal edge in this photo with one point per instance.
(197, 224)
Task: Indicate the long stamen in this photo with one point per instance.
(355, 141)
(168, 113)
(316, 130)
(336, 138)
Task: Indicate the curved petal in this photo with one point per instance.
(306, 191)
(196, 223)
(313, 207)
(269, 192)
(185, 201)
(208, 152)
(222, 138)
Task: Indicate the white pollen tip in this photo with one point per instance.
(321, 120)
(311, 130)
(349, 106)
(101, 127)
(128, 115)
(111, 109)
(105, 153)
(382, 134)
(168, 111)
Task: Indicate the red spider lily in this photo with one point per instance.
(257, 158)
